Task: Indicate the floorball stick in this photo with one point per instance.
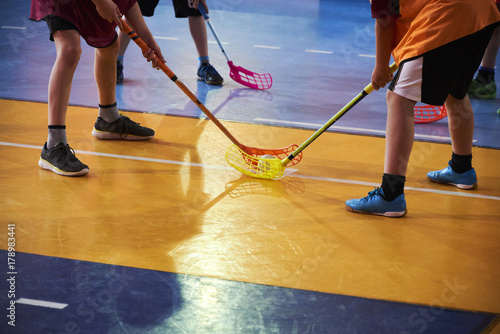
(429, 113)
(273, 168)
(247, 150)
(238, 73)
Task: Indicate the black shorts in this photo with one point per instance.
(182, 9)
(56, 23)
(446, 70)
(147, 6)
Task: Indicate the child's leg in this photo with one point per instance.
(399, 134)
(68, 54)
(56, 154)
(105, 73)
(389, 199)
(490, 55)
(110, 124)
(198, 30)
(105, 78)
(460, 124)
(206, 72)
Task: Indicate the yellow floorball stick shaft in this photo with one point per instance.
(367, 90)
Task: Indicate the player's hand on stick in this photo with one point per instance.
(153, 50)
(381, 76)
(109, 11)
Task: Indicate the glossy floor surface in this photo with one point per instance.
(164, 237)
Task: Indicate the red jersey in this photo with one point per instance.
(96, 31)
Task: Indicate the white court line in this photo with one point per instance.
(363, 183)
(131, 157)
(12, 27)
(289, 171)
(214, 42)
(381, 132)
(41, 303)
(319, 51)
(366, 56)
(267, 47)
(167, 38)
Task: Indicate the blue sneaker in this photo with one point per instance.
(467, 180)
(375, 204)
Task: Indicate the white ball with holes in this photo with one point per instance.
(265, 166)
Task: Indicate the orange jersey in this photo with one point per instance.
(424, 25)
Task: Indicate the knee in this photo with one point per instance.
(70, 54)
(108, 53)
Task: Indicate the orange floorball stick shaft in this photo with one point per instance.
(133, 35)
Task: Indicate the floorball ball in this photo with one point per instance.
(265, 166)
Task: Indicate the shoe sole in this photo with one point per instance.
(458, 185)
(48, 166)
(104, 135)
(389, 214)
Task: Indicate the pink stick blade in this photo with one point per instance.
(249, 78)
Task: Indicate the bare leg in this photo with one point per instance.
(490, 55)
(198, 31)
(460, 124)
(105, 73)
(399, 134)
(68, 55)
(55, 157)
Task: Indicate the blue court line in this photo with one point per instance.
(105, 298)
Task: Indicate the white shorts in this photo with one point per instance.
(409, 80)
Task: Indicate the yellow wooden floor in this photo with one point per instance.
(173, 204)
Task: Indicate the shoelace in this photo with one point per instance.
(207, 69)
(67, 155)
(374, 193)
(124, 125)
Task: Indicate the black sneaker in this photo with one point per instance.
(61, 160)
(209, 74)
(123, 128)
(119, 72)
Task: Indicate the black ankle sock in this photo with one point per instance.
(461, 163)
(393, 186)
(485, 75)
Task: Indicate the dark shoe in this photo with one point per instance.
(61, 160)
(482, 90)
(209, 74)
(123, 128)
